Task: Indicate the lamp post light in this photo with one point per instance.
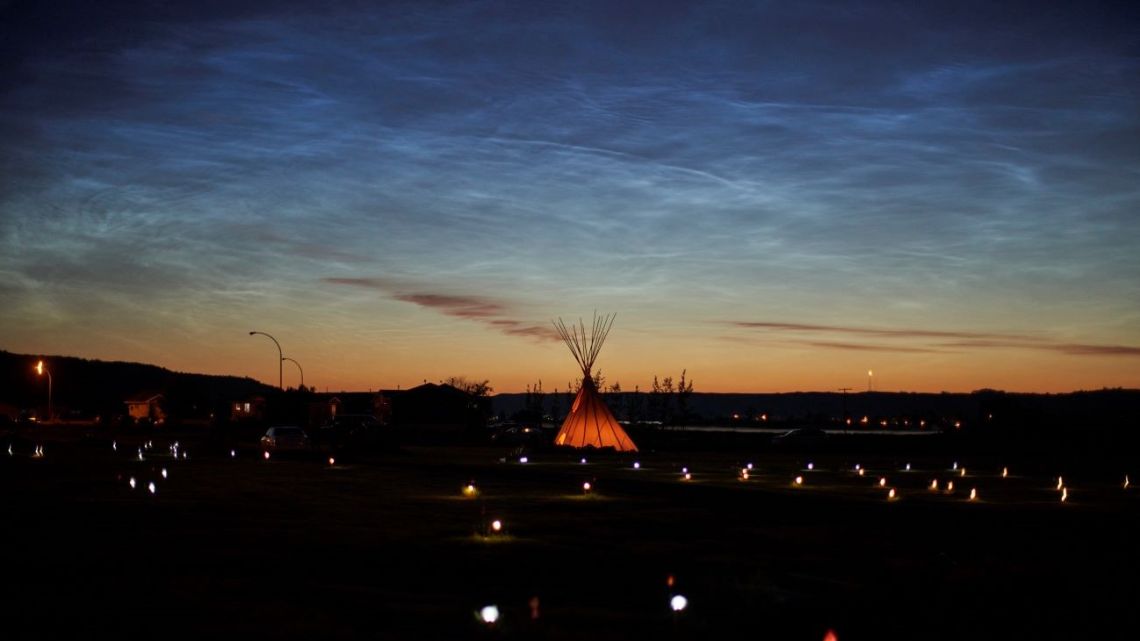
(280, 358)
(40, 371)
(286, 358)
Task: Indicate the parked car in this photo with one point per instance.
(285, 438)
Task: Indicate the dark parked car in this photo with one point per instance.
(285, 438)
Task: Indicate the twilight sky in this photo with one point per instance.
(775, 196)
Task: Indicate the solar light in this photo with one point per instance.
(908, 467)
(489, 614)
(973, 494)
(586, 487)
(811, 466)
(831, 636)
(678, 603)
(860, 472)
(636, 465)
(955, 466)
(9, 449)
(749, 466)
(1004, 472)
(140, 454)
(1126, 483)
(233, 453)
(684, 470)
(1060, 483)
(744, 474)
(164, 472)
(891, 495)
(688, 477)
(950, 486)
(963, 472)
(114, 446)
(583, 461)
(266, 455)
(133, 483)
(497, 526)
(150, 487)
(186, 456)
(882, 481)
(332, 461)
(150, 445)
(470, 490)
(934, 484)
(523, 459)
(799, 480)
(858, 467)
(1064, 494)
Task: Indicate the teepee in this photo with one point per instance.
(590, 423)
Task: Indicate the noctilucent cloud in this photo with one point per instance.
(773, 196)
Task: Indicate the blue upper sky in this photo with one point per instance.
(766, 193)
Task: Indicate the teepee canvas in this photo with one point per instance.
(590, 423)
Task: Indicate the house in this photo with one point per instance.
(147, 406)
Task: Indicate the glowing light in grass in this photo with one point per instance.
(114, 446)
(636, 465)
(583, 461)
(799, 480)
(497, 526)
(907, 467)
(950, 486)
(1064, 494)
(265, 455)
(749, 466)
(830, 636)
(973, 494)
(1060, 483)
(133, 483)
(586, 487)
(860, 472)
(164, 472)
(934, 484)
(810, 466)
(523, 459)
(10, 449)
(744, 474)
(963, 472)
(470, 490)
(955, 466)
(1005, 472)
(688, 476)
(892, 495)
(678, 603)
(1126, 482)
(151, 488)
(858, 467)
(233, 453)
(332, 461)
(684, 470)
(140, 456)
(489, 614)
(882, 481)
(185, 456)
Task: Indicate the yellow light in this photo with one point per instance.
(688, 477)
(950, 486)
(1060, 483)
(799, 480)
(934, 484)
(40, 368)
(963, 472)
(860, 472)
(586, 486)
(1064, 494)
(1126, 483)
(1004, 472)
(497, 525)
(882, 481)
(470, 490)
(891, 495)
(332, 461)
(744, 474)
(973, 494)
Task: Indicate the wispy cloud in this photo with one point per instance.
(961, 340)
(491, 312)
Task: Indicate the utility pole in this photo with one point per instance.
(844, 390)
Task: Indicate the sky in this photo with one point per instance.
(770, 196)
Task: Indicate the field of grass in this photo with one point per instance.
(389, 547)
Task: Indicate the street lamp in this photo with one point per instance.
(286, 358)
(280, 357)
(40, 371)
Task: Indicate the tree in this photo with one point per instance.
(478, 389)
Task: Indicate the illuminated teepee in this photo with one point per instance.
(590, 423)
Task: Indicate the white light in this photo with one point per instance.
(9, 450)
(973, 494)
(908, 467)
(858, 467)
(332, 461)
(1064, 494)
(586, 486)
(1004, 472)
(150, 487)
(636, 465)
(140, 454)
(186, 456)
(583, 461)
(497, 525)
(489, 614)
(523, 459)
(114, 446)
(891, 495)
(164, 472)
(678, 603)
(1126, 482)
(750, 466)
(955, 465)
(882, 481)
(233, 453)
(799, 480)
(133, 483)
(688, 477)
(934, 484)
(811, 466)
(684, 470)
(266, 455)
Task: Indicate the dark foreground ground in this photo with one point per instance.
(388, 547)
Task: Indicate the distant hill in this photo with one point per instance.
(85, 388)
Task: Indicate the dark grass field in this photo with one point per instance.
(388, 547)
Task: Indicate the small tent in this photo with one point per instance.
(590, 422)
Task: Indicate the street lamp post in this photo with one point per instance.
(41, 370)
(286, 358)
(280, 358)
